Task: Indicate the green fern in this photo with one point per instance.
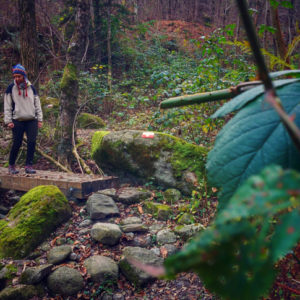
(274, 61)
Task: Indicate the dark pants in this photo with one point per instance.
(31, 129)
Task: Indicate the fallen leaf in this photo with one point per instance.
(70, 234)
(140, 209)
(164, 252)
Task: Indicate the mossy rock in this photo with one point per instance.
(186, 218)
(169, 161)
(86, 120)
(31, 220)
(7, 273)
(172, 196)
(160, 211)
(21, 292)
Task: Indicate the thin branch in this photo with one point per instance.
(254, 43)
(86, 49)
(77, 156)
(270, 95)
(59, 165)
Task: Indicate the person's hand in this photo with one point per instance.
(40, 124)
(11, 125)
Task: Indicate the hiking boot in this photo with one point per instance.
(29, 170)
(12, 170)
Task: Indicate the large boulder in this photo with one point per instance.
(170, 161)
(31, 220)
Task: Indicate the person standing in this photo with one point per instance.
(22, 113)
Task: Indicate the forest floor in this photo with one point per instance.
(186, 285)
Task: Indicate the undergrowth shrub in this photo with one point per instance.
(259, 210)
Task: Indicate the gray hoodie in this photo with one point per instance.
(22, 107)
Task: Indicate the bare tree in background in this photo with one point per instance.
(28, 39)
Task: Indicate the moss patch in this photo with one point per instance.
(32, 219)
(97, 141)
(86, 120)
(69, 76)
(160, 211)
(186, 218)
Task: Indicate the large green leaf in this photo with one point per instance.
(251, 140)
(243, 99)
(235, 256)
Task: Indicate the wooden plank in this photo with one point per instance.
(77, 185)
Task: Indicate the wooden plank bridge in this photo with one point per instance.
(76, 185)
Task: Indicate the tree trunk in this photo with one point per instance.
(282, 49)
(109, 75)
(96, 30)
(69, 83)
(28, 39)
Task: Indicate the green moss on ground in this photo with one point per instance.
(86, 120)
(32, 219)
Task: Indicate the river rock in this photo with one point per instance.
(65, 281)
(109, 192)
(130, 195)
(172, 196)
(165, 236)
(186, 218)
(142, 241)
(58, 254)
(21, 292)
(85, 223)
(102, 268)
(156, 227)
(131, 220)
(169, 249)
(106, 233)
(100, 206)
(188, 231)
(34, 275)
(131, 272)
(160, 211)
(134, 228)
